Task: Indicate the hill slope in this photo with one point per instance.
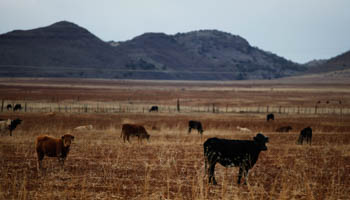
(338, 63)
(67, 50)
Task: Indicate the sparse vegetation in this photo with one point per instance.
(171, 166)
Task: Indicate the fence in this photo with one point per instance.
(125, 107)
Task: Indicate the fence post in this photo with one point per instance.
(2, 105)
(316, 109)
(178, 105)
(213, 108)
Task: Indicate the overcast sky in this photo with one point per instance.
(299, 30)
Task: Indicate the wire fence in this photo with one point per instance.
(126, 107)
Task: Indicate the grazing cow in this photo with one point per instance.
(9, 107)
(17, 107)
(284, 129)
(242, 129)
(134, 130)
(306, 133)
(153, 109)
(195, 125)
(53, 147)
(9, 125)
(229, 153)
(84, 128)
(270, 117)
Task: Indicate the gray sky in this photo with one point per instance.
(299, 30)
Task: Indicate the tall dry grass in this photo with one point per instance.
(171, 165)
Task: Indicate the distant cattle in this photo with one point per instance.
(242, 129)
(53, 147)
(153, 109)
(230, 153)
(9, 125)
(17, 107)
(84, 128)
(195, 125)
(9, 107)
(134, 130)
(49, 114)
(284, 129)
(270, 117)
(306, 133)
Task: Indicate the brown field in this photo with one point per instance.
(171, 164)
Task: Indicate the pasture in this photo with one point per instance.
(171, 165)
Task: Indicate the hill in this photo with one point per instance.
(335, 64)
(65, 49)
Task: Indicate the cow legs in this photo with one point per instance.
(244, 172)
(40, 160)
(189, 130)
(211, 171)
(127, 138)
(308, 140)
(61, 161)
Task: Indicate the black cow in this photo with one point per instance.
(9, 107)
(17, 107)
(9, 125)
(270, 117)
(14, 124)
(153, 109)
(306, 133)
(229, 153)
(284, 129)
(195, 125)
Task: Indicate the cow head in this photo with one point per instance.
(67, 140)
(261, 140)
(201, 131)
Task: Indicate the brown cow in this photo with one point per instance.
(284, 129)
(53, 147)
(134, 130)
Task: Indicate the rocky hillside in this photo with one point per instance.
(67, 50)
(338, 63)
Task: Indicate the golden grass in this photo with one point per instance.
(171, 165)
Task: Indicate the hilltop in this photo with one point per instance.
(65, 49)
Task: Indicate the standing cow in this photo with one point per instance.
(306, 133)
(270, 117)
(9, 107)
(53, 147)
(229, 153)
(17, 107)
(153, 109)
(9, 125)
(195, 125)
(284, 129)
(135, 130)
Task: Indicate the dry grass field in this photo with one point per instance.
(171, 165)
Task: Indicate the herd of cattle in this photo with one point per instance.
(14, 107)
(229, 153)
